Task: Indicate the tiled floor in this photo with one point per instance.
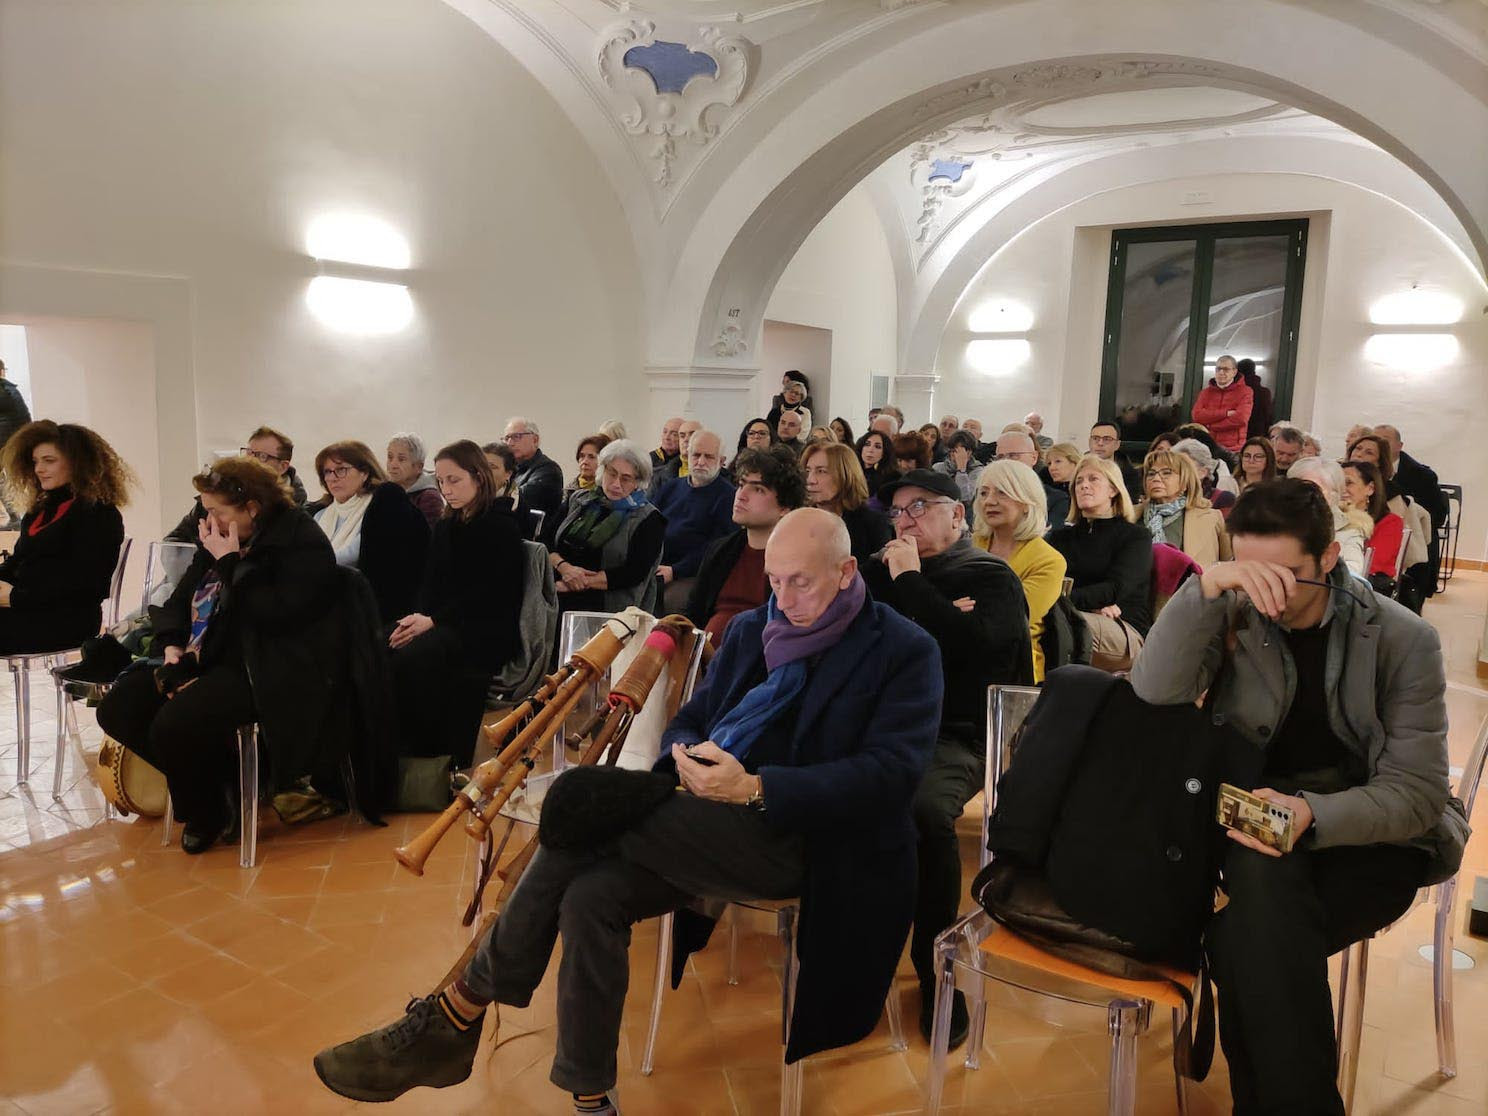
(134, 979)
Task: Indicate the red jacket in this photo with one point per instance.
(1212, 410)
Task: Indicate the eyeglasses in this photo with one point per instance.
(915, 509)
(509, 439)
(1014, 455)
(1161, 474)
(616, 477)
(260, 455)
(1103, 439)
(337, 471)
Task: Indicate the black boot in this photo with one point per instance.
(960, 1020)
(425, 1047)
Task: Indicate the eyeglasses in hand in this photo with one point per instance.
(915, 508)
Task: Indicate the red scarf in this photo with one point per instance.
(41, 521)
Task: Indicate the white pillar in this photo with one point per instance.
(914, 394)
(722, 399)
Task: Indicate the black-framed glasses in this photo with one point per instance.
(260, 455)
(517, 436)
(337, 471)
(915, 508)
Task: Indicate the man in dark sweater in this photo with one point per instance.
(731, 578)
(1105, 443)
(539, 477)
(974, 607)
(698, 509)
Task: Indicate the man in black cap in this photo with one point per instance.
(974, 607)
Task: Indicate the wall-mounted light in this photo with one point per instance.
(359, 305)
(1416, 307)
(1000, 315)
(998, 356)
(363, 269)
(1412, 352)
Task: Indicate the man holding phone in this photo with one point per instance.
(1343, 694)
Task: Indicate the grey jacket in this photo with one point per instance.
(1386, 700)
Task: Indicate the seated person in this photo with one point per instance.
(1215, 481)
(267, 446)
(790, 429)
(731, 578)
(1011, 524)
(835, 483)
(464, 626)
(1105, 443)
(606, 550)
(503, 464)
(1364, 490)
(72, 484)
(1015, 445)
(372, 525)
(1175, 511)
(677, 466)
(405, 468)
(757, 434)
(843, 430)
(698, 510)
(1109, 558)
(1354, 744)
(1351, 526)
(1287, 445)
(875, 451)
(931, 433)
(974, 608)
(1377, 451)
(795, 395)
(986, 451)
(248, 635)
(539, 479)
(669, 448)
(811, 745)
(1257, 463)
(911, 452)
(960, 464)
(586, 458)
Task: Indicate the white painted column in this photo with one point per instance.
(914, 394)
(722, 399)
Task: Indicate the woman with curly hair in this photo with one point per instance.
(251, 633)
(72, 485)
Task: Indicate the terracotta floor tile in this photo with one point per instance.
(204, 981)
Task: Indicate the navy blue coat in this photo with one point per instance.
(861, 742)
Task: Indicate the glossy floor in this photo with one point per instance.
(135, 979)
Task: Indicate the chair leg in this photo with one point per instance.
(248, 791)
(977, 1027)
(1441, 964)
(733, 933)
(790, 1087)
(791, 1074)
(897, 1041)
(940, 1029)
(64, 707)
(658, 990)
(1350, 1023)
(1123, 1020)
(21, 680)
(1180, 1081)
(165, 822)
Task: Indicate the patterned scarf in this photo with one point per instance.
(1158, 516)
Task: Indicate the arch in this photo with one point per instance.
(776, 191)
(945, 276)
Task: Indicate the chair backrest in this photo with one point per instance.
(535, 520)
(1368, 561)
(1472, 770)
(1007, 706)
(1405, 538)
(537, 628)
(165, 564)
(116, 583)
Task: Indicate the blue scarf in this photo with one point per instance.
(1158, 515)
(787, 648)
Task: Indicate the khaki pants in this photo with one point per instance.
(1115, 643)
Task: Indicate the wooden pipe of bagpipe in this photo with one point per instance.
(563, 688)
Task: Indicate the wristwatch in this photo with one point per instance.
(756, 801)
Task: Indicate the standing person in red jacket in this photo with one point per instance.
(1224, 406)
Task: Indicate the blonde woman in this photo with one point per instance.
(1109, 557)
(1176, 512)
(1060, 461)
(1010, 509)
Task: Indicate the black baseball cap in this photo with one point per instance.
(929, 479)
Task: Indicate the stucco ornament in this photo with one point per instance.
(730, 341)
(665, 89)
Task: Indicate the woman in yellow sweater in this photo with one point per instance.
(1010, 516)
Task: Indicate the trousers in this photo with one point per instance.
(687, 848)
(1269, 948)
(956, 773)
(190, 738)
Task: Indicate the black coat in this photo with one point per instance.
(861, 742)
(64, 569)
(868, 530)
(473, 583)
(540, 485)
(14, 413)
(1110, 561)
(395, 544)
(279, 615)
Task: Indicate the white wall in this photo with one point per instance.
(1361, 247)
(842, 279)
(805, 349)
(166, 138)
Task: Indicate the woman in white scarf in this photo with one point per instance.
(349, 472)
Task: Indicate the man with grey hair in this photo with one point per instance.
(670, 447)
(699, 509)
(539, 477)
(985, 451)
(793, 767)
(885, 423)
(949, 424)
(1014, 446)
(662, 475)
(1287, 443)
(1419, 482)
(1035, 422)
(405, 467)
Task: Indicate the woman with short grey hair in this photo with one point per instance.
(606, 550)
(405, 467)
(1351, 526)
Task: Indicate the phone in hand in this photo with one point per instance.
(693, 755)
(1269, 823)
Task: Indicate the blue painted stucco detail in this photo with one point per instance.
(670, 65)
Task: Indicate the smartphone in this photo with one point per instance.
(1265, 821)
(704, 760)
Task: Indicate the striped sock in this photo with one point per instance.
(452, 1013)
(593, 1104)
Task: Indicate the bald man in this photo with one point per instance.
(795, 762)
(671, 445)
(677, 466)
